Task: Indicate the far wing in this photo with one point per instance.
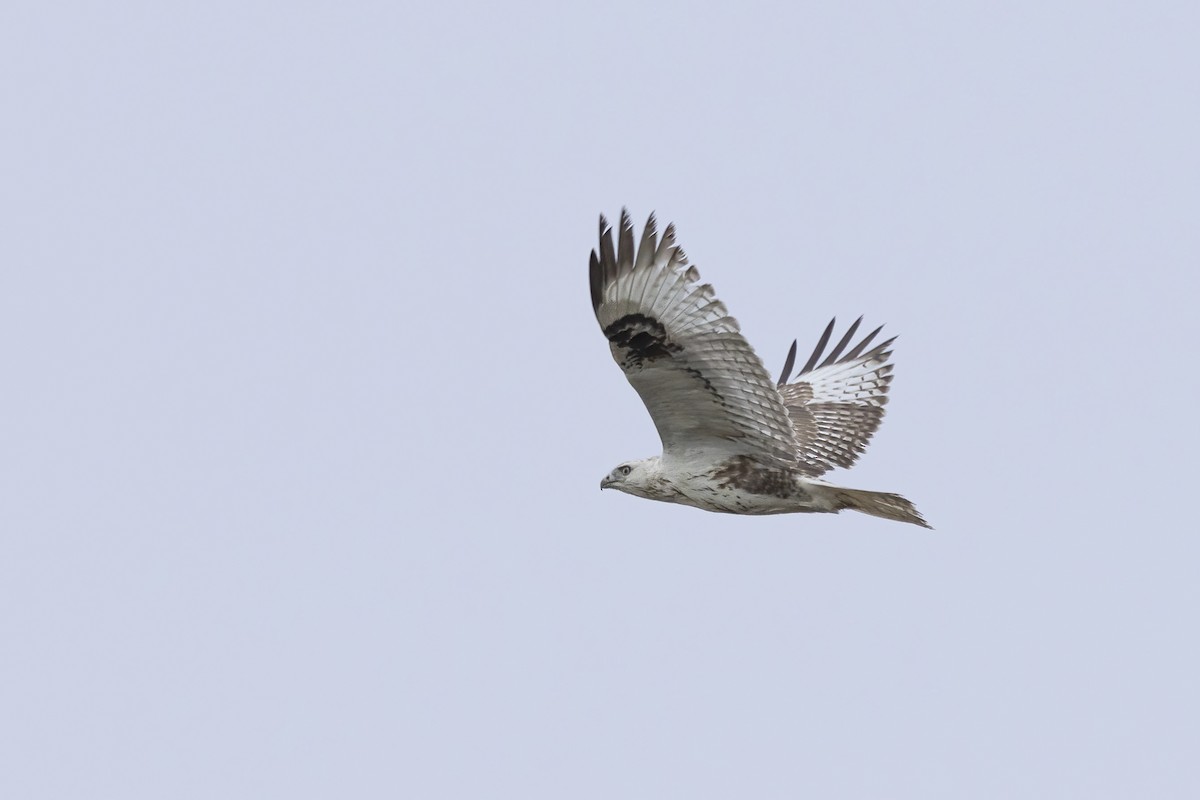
(703, 385)
(836, 405)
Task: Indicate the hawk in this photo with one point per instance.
(733, 440)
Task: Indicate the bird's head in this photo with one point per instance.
(633, 477)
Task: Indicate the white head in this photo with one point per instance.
(639, 478)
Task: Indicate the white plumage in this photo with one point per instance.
(733, 440)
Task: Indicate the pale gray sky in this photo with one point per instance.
(305, 410)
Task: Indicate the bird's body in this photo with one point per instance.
(739, 487)
(733, 440)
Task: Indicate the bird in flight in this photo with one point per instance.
(733, 440)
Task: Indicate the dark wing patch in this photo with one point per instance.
(638, 339)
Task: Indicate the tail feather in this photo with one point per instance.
(880, 504)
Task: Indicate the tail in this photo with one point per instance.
(879, 504)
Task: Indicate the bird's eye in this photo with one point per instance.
(624, 470)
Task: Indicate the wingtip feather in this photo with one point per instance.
(820, 348)
(596, 281)
(625, 242)
(645, 251)
(788, 363)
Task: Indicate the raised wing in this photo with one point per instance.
(703, 385)
(836, 405)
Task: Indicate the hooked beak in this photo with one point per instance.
(606, 482)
